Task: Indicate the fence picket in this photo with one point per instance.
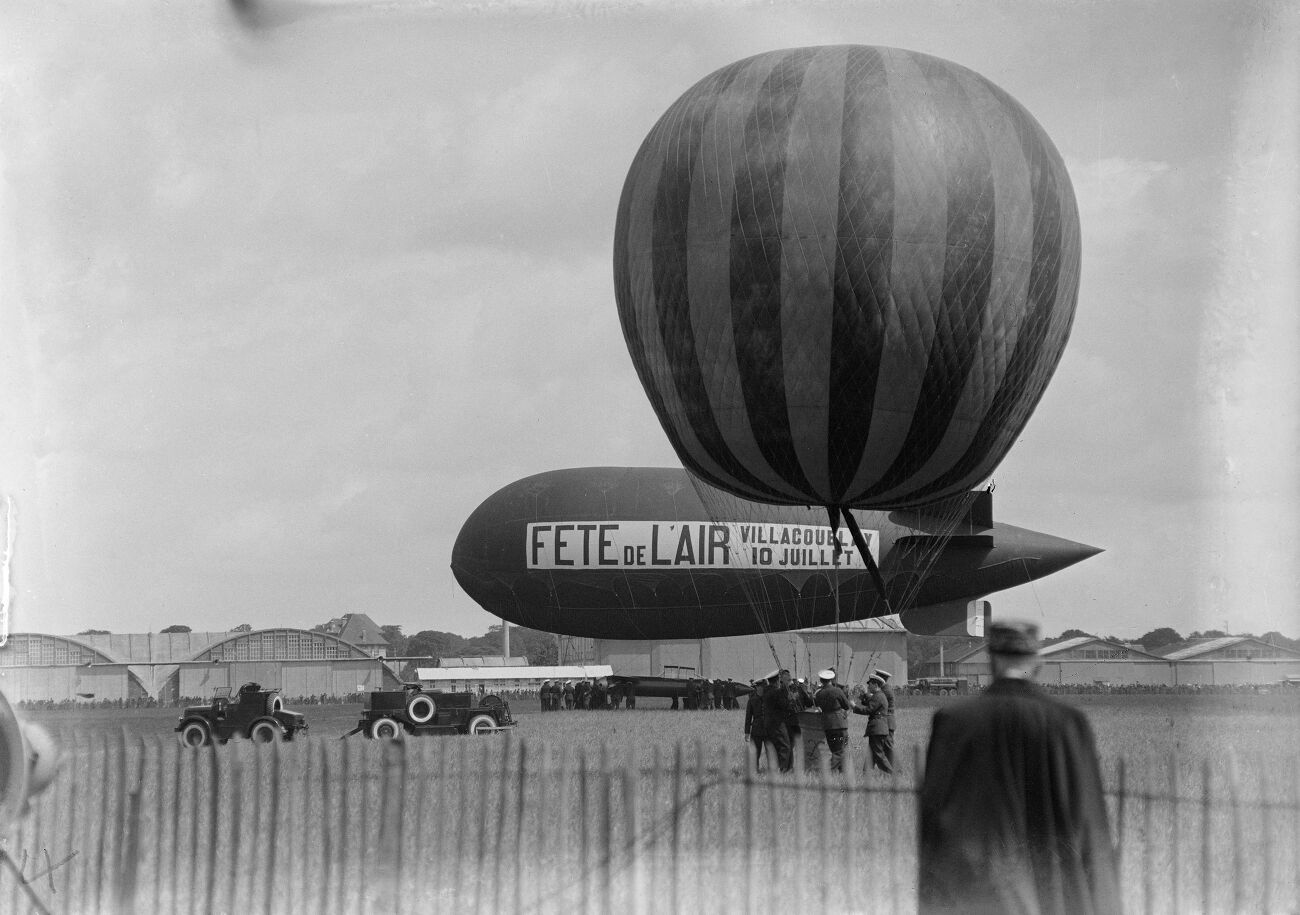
(1174, 840)
(330, 827)
(1234, 812)
(1207, 830)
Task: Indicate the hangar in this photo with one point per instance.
(55, 668)
(37, 667)
(1089, 661)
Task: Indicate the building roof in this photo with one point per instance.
(1079, 641)
(1194, 648)
(875, 624)
(486, 661)
(356, 628)
(1070, 643)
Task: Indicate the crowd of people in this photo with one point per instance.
(707, 695)
(585, 695)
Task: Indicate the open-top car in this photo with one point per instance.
(256, 713)
(393, 714)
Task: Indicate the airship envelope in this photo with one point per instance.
(641, 552)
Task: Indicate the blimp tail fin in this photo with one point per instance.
(976, 510)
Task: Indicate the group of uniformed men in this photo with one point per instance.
(772, 721)
(567, 695)
(711, 694)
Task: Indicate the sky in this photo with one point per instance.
(287, 289)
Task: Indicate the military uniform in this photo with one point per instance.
(834, 706)
(888, 690)
(776, 709)
(754, 728)
(879, 740)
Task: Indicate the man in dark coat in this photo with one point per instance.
(792, 728)
(888, 690)
(879, 740)
(754, 729)
(834, 705)
(1013, 819)
(776, 709)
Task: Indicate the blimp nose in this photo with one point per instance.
(1040, 554)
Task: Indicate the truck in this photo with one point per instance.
(939, 686)
(415, 711)
(256, 713)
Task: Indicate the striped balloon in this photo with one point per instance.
(845, 275)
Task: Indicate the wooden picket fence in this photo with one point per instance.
(499, 825)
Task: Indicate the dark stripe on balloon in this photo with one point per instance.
(863, 263)
(669, 272)
(1027, 371)
(967, 274)
(629, 301)
(755, 266)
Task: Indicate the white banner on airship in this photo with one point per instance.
(692, 545)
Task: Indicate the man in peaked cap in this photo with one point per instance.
(888, 690)
(876, 708)
(834, 706)
(1013, 819)
(776, 710)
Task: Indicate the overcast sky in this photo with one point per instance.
(284, 298)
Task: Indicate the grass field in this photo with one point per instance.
(1133, 726)
(639, 811)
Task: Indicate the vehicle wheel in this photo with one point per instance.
(490, 701)
(195, 734)
(274, 704)
(421, 708)
(386, 729)
(265, 730)
(482, 724)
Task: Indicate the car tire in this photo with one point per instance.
(274, 704)
(195, 734)
(482, 724)
(265, 730)
(490, 701)
(421, 708)
(386, 729)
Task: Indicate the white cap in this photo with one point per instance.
(827, 674)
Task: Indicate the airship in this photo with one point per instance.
(654, 553)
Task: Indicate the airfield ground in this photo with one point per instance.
(635, 811)
(1195, 727)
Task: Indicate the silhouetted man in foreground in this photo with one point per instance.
(1013, 819)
